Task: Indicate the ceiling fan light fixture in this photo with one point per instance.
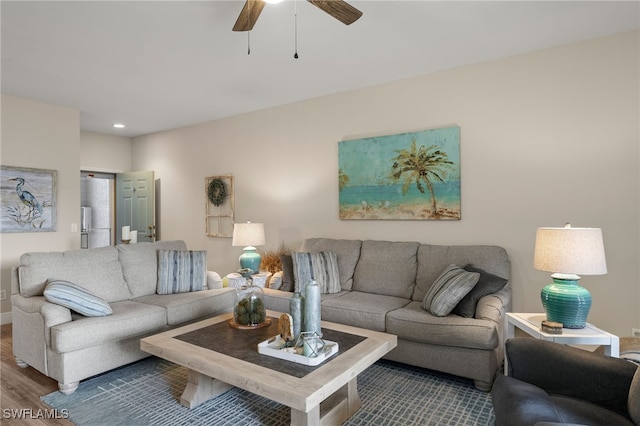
(273, 1)
(338, 9)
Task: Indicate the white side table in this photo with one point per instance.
(589, 335)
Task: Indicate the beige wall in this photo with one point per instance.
(104, 153)
(546, 138)
(42, 136)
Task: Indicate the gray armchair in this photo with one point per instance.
(550, 383)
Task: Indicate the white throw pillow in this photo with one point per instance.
(76, 298)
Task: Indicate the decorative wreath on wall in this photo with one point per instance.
(217, 191)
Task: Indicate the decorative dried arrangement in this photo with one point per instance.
(271, 259)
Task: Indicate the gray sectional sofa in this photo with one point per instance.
(383, 285)
(70, 347)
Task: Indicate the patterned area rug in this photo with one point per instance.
(148, 393)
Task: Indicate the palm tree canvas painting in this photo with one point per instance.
(27, 199)
(406, 176)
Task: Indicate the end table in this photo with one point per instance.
(589, 335)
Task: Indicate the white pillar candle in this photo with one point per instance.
(134, 237)
(126, 233)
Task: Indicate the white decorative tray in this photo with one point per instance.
(273, 347)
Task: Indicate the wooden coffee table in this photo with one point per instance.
(219, 357)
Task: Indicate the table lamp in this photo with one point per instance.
(249, 235)
(568, 252)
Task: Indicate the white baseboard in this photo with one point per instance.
(5, 318)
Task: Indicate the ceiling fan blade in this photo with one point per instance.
(339, 9)
(249, 15)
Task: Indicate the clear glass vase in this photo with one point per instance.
(249, 310)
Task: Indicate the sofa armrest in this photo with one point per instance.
(15, 280)
(214, 280)
(33, 318)
(493, 307)
(572, 372)
(53, 315)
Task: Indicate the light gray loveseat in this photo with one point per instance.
(383, 285)
(70, 347)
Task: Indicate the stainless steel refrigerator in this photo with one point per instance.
(96, 211)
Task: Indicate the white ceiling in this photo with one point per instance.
(167, 64)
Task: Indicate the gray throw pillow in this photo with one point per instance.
(487, 284)
(448, 289)
(288, 282)
(181, 271)
(321, 267)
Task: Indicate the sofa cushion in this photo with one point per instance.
(448, 289)
(387, 268)
(76, 298)
(365, 310)
(321, 267)
(412, 322)
(487, 284)
(140, 264)
(184, 307)
(347, 252)
(97, 270)
(129, 319)
(181, 271)
(432, 259)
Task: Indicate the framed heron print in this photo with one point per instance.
(28, 199)
(406, 176)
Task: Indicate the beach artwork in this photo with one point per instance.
(27, 199)
(406, 176)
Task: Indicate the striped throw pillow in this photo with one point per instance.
(321, 267)
(448, 289)
(181, 271)
(76, 298)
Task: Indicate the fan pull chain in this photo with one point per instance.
(248, 42)
(295, 3)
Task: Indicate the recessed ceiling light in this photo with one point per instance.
(118, 125)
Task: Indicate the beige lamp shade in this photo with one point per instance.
(248, 234)
(568, 250)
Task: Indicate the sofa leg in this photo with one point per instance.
(21, 363)
(68, 388)
(483, 386)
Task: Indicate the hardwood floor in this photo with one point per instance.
(21, 389)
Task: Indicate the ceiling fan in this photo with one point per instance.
(339, 9)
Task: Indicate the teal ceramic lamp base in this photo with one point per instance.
(250, 258)
(566, 302)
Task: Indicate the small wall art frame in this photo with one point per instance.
(27, 199)
(219, 206)
(405, 176)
